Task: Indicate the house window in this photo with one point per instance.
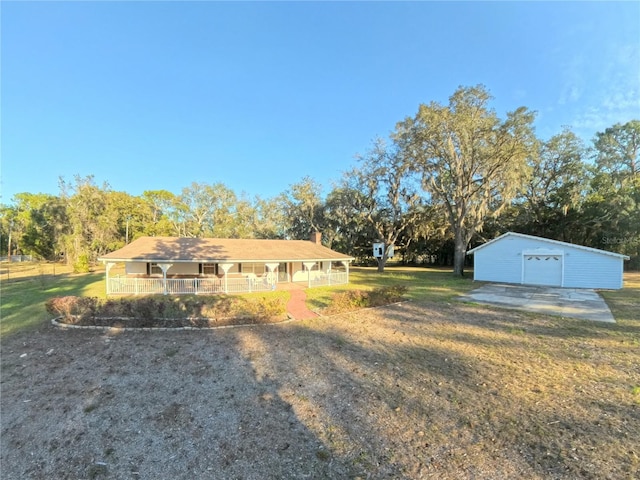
(255, 268)
(209, 268)
(154, 269)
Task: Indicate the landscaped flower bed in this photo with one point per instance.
(166, 312)
(200, 311)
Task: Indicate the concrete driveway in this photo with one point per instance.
(580, 303)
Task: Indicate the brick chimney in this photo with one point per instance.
(316, 237)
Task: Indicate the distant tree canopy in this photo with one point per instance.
(382, 194)
(448, 178)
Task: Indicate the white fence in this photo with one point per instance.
(207, 286)
(17, 258)
(333, 278)
(185, 286)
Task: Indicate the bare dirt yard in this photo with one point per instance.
(431, 390)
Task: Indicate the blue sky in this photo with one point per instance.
(157, 95)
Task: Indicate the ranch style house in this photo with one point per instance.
(176, 265)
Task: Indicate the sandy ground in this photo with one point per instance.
(406, 391)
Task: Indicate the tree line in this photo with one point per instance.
(446, 179)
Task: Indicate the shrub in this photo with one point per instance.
(61, 306)
(349, 300)
(159, 311)
(121, 307)
(82, 264)
(386, 295)
(263, 309)
(72, 308)
(144, 311)
(219, 308)
(354, 299)
(270, 308)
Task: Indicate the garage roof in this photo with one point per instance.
(548, 240)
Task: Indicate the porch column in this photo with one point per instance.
(108, 266)
(346, 267)
(164, 267)
(308, 266)
(225, 268)
(271, 268)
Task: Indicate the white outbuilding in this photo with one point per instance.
(528, 260)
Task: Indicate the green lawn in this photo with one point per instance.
(433, 284)
(22, 301)
(23, 297)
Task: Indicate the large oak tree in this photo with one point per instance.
(471, 162)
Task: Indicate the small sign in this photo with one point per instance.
(378, 250)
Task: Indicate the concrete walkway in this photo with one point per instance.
(580, 303)
(296, 306)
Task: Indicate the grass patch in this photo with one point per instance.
(625, 303)
(26, 287)
(433, 284)
(438, 388)
(354, 299)
(22, 300)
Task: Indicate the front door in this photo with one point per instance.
(283, 275)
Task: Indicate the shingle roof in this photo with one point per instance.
(215, 250)
(550, 241)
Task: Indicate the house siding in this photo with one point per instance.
(592, 270)
(135, 268)
(501, 261)
(183, 269)
(298, 272)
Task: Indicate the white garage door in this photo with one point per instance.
(543, 270)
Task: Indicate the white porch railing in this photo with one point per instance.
(185, 286)
(208, 286)
(333, 278)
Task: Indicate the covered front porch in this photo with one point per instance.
(221, 278)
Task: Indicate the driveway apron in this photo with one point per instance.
(580, 303)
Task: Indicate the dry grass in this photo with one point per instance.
(625, 303)
(426, 389)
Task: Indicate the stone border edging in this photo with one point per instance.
(56, 323)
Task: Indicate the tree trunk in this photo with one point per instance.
(9, 247)
(381, 263)
(460, 251)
